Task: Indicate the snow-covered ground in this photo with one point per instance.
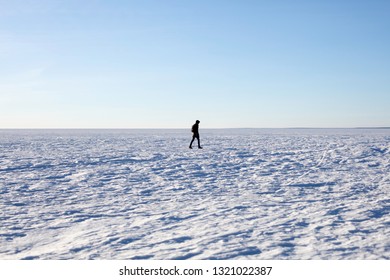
(142, 194)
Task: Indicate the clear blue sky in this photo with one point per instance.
(164, 64)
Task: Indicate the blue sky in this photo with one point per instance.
(164, 64)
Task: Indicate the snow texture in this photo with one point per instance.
(142, 194)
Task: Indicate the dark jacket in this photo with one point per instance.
(195, 129)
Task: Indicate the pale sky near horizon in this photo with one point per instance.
(164, 64)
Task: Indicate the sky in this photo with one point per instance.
(165, 64)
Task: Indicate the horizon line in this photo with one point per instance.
(166, 128)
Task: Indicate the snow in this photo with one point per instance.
(142, 194)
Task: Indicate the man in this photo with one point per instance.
(195, 134)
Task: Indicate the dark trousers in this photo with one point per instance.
(195, 135)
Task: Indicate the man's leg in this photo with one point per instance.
(199, 143)
(193, 138)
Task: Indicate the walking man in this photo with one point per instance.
(195, 134)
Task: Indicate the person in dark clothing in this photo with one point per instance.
(195, 134)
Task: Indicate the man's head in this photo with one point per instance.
(197, 121)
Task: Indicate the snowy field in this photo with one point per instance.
(142, 194)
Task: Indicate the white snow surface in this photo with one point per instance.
(143, 194)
